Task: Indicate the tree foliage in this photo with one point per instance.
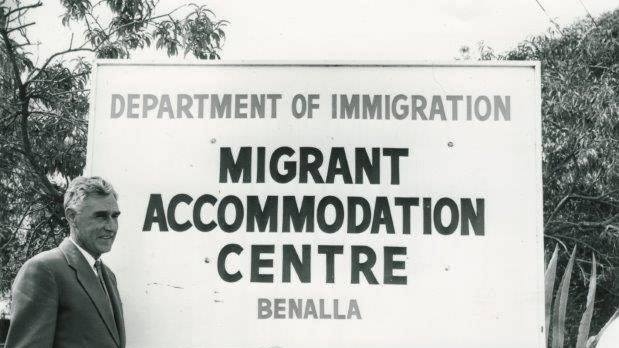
(44, 105)
(580, 130)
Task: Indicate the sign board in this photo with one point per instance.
(324, 205)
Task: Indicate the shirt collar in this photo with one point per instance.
(91, 260)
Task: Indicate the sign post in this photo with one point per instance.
(337, 205)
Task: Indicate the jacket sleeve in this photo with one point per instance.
(34, 307)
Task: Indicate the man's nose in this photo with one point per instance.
(111, 225)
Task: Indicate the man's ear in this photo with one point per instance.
(70, 215)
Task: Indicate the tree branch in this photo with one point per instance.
(84, 73)
(558, 241)
(24, 101)
(577, 196)
(79, 121)
(588, 13)
(549, 18)
(21, 8)
(576, 240)
(70, 92)
(21, 221)
(556, 209)
(143, 20)
(20, 27)
(595, 198)
(30, 156)
(588, 224)
(49, 60)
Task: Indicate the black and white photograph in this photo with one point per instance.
(309, 174)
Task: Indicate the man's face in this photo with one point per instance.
(95, 224)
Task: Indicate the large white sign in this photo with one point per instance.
(324, 205)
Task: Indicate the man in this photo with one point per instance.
(66, 297)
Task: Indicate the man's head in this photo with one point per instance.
(91, 210)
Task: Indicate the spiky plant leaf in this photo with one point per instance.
(585, 322)
(558, 328)
(549, 281)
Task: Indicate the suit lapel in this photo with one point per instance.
(89, 281)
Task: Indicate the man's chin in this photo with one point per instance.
(105, 247)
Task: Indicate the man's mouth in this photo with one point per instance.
(107, 237)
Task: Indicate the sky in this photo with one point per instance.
(362, 29)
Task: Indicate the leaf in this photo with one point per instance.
(585, 322)
(549, 281)
(558, 328)
(216, 37)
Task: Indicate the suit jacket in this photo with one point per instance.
(57, 301)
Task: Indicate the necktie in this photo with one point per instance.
(99, 268)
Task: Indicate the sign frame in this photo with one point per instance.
(538, 204)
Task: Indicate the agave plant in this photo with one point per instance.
(556, 318)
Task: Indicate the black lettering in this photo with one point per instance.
(307, 167)
(353, 203)
(358, 267)
(300, 217)
(227, 165)
(301, 267)
(257, 263)
(238, 210)
(364, 165)
(197, 209)
(406, 203)
(330, 251)
(454, 215)
(475, 218)
(338, 165)
(394, 155)
(221, 263)
(391, 264)
(155, 214)
(261, 216)
(260, 166)
(382, 216)
(290, 170)
(339, 214)
(427, 216)
(174, 202)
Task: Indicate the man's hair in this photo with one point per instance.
(82, 187)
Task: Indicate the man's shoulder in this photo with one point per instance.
(52, 255)
(40, 271)
(49, 259)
